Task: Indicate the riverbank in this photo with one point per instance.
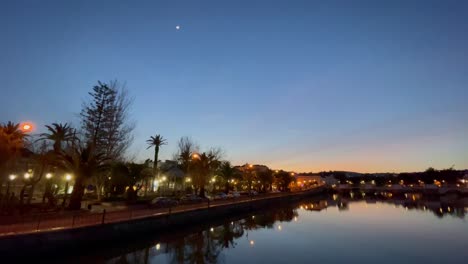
(396, 188)
(89, 236)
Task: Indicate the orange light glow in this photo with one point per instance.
(26, 127)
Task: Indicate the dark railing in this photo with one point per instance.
(49, 222)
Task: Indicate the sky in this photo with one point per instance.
(369, 86)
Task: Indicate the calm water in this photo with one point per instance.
(331, 230)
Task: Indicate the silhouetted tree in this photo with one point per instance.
(157, 141)
(58, 133)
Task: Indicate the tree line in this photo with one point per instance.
(94, 154)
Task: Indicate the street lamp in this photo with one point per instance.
(67, 179)
(27, 176)
(26, 127)
(47, 187)
(12, 177)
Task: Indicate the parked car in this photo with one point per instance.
(234, 194)
(252, 192)
(163, 202)
(192, 198)
(220, 196)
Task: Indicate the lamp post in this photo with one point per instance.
(187, 180)
(67, 179)
(47, 186)
(11, 178)
(250, 177)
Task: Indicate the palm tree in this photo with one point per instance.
(266, 178)
(204, 166)
(157, 141)
(84, 162)
(227, 172)
(11, 142)
(58, 133)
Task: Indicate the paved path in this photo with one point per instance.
(53, 222)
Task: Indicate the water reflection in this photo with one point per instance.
(441, 206)
(205, 246)
(228, 240)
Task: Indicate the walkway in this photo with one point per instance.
(46, 223)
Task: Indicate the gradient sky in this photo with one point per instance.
(300, 85)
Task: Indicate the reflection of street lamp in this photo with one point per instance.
(67, 179)
(12, 177)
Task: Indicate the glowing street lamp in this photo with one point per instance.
(12, 177)
(26, 127)
(195, 156)
(48, 176)
(68, 177)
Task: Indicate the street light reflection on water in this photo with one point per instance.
(319, 227)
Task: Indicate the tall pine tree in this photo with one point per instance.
(105, 121)
(105, 124)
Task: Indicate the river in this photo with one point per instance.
(331, 229)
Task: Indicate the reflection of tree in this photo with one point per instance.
(177, 251)
(201, 248)
(137, 256)
(268, 219)
(440, 205)
(205, 246)
(225, 235)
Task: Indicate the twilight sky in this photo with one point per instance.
(300, 85)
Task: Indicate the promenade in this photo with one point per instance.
(51, 222)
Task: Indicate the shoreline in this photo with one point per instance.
(65, 239)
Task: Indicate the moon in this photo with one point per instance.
(177, 27)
